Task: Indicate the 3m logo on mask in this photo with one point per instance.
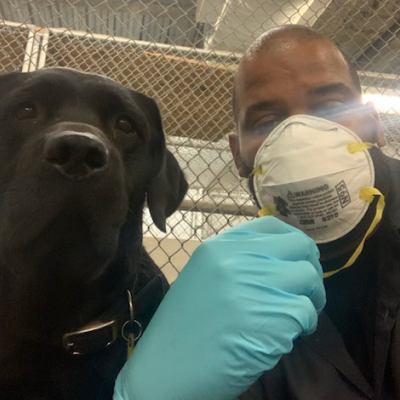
(281, 206)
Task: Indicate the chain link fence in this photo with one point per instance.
(184, 53)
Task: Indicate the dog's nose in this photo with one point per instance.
(76, 155)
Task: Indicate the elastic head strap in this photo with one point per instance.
(266, 210)
(366, 194)
(258, 171)
(356, 147)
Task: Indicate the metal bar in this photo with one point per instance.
(150, 45)
(226, 208)
(28, 49)
(35, 50)
(177, 141)
(43, 48)
(223, 56)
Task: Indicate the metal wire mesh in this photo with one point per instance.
(184, 53)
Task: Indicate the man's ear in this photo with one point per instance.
(379, 135)
(166, 191)
(234, 145)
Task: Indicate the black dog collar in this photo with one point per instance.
(100, 334)
(122, 319)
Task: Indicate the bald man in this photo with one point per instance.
(355, 352)
(247, 316)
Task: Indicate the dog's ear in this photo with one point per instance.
(166, 191)
(168, 188)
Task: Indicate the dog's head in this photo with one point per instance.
(79, 154)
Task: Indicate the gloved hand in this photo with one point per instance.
(234, 310)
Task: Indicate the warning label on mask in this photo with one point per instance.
(313, 207)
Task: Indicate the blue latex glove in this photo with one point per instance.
(234, 310)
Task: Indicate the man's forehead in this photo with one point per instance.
(295, 58)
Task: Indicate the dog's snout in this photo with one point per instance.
(76, 155)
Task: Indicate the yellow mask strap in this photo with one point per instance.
(356, 147)
(260, 170)
(266, 210)
(366, 194)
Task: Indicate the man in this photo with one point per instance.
(292, 85)
(355, 351)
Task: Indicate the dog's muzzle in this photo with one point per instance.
(76, 155)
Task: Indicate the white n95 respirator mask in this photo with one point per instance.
(318, 176)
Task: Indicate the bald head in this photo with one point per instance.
(279, 36)
(282, 38)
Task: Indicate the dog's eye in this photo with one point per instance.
(26, 112)
(126, 125)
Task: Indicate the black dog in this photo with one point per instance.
(79, 156)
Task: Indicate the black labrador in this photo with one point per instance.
(79, 156)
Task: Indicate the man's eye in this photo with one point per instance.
(266, 127)
(330, 109)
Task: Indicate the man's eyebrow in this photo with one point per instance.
(331, 88)
(260, 106)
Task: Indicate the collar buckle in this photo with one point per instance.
(93, 337)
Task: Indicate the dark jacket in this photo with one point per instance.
(355, 352)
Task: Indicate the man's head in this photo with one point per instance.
(293, 70)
